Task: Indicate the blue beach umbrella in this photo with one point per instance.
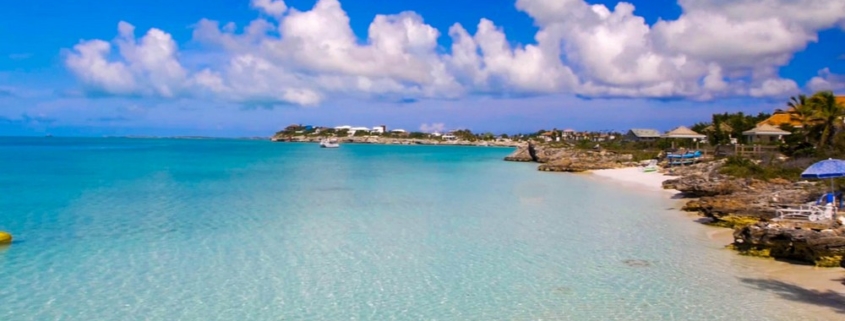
(829, 168)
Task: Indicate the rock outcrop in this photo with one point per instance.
(570, 159)
(524, 153)
(736, 202)
(749, 207)
(820, 244)
(581, 160)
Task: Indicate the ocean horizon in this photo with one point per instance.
(240, 229)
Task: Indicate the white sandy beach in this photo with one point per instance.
(636, 176)
(818, 288)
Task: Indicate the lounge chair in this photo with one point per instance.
(835, 197)
(651, 166)
(813, 213)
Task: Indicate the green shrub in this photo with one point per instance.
(746, 168)
(642, 155)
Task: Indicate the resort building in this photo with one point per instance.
(642, 135)
(791, 116)
(765, 134)
(398, 131)
(379, 129)
(682, 132)
(784, 117)
(354, 130)
(449, 137)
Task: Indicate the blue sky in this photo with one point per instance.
(67, 68)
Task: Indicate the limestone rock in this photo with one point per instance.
(521, 154)
(786, 240)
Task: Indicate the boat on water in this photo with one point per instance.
(329, 143)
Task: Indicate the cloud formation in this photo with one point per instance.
(827, 80)
(714, 49)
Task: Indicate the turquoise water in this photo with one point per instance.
(147, 229)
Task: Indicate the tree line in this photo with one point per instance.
(816, 124)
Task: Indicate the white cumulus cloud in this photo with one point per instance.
(714, 49)
(827, 80)
(270, 7)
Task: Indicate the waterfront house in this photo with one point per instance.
(784, 117)
(684, 132)
(354, 130)
(642, 135)
(765, 133)
(381, 129)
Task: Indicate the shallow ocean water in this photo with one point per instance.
(162, 229)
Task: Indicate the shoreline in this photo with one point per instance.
(821, 288)
(380, 140)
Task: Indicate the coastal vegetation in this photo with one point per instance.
(743, 167)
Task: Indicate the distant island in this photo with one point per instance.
(461, 137)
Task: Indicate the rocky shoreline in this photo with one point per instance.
(748, 206)
(556, 159)
(745, 205)
(380, 140)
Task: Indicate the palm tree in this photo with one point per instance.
(826, 113)
(797, 101)
(801, 111)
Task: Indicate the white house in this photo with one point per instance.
(354, 130)
(449, 137)
(344, 127)
(379, 129)
(398, 131)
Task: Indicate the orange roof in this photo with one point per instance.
(840, 100)
(779, 119)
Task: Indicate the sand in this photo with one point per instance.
(821, 289)
(635, 176)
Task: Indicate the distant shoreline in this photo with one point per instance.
(378, 140)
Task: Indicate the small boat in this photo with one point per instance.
(326, 143)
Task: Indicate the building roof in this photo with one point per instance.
(766, 130)
(781, 118)
(645, 133)
(683, 132)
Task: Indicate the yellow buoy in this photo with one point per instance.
(5, 238)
